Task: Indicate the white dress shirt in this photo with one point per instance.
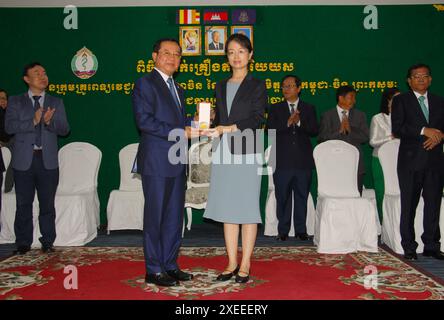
(339, 109)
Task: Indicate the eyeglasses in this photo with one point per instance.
(420, 76)
(289, 86)
(169, 54)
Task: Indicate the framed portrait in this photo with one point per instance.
(245, 30)
(190, 40)
(215, 38)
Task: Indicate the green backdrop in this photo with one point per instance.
(321, 43)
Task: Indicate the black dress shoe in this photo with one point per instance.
(242, 279)
(434, 254)
(180, 275)
(302, 236)
(281, 237)
(161, 279)
(48, 249)
(410, 256)
(227, 276)
(21, 250)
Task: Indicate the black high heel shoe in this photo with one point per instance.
(241, 279)
(227, 276)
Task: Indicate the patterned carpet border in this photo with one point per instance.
(396, 280)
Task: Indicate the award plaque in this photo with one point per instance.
(204, 115)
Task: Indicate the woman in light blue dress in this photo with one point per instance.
(236, 169)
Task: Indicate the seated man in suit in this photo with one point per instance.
(36, 119)
(295, 122)
(418, 120)
(347, 124)
(216, 45)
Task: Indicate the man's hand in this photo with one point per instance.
(38, 116)
(433, 134)
(294, 119)
(430, 143)
(48, 115)
(191, 133)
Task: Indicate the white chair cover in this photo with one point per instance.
(271, 221)
(371, 195)
(125, 205)
(391, 207)
(7, 216)
(77, 202)
(345, 222)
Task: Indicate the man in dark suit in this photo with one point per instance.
(418, 120)
(295, 122)
(158, 104)
(215, 44)
(347, 124)
(36, 119)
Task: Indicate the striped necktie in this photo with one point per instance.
(173, 92)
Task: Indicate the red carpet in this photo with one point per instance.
(286, 273)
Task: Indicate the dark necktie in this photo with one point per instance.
(292, 110)
(344, 115)
(173, 92)
(38, 127)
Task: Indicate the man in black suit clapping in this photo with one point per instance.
(295, 122)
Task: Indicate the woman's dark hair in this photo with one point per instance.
(241, 39)
(387, 95)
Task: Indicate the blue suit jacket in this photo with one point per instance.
(156, 116)
(19, 122)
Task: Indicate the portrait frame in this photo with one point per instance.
(190, 40)
(209, 49)
(247, 30)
